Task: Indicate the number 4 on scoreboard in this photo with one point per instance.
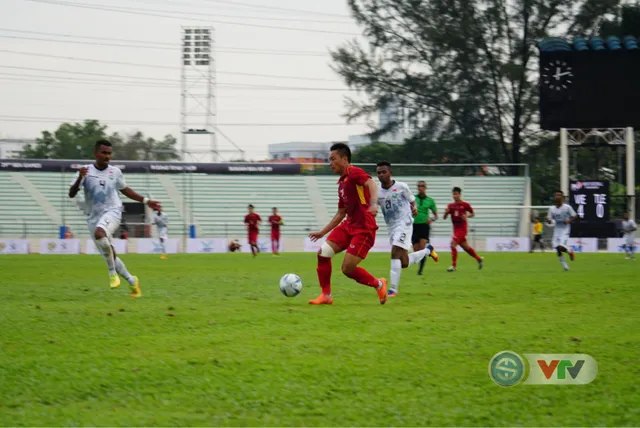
(581, 211)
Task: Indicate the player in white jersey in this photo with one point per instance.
(101, 184)
(398, 206)
(162, 222)
(629, 229)
(560, 217)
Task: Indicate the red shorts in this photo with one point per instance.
(275, 236)
(460, 236)
(253, 237)
(357, 242)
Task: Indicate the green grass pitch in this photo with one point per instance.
(213, 342)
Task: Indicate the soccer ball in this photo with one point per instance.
(290, 285)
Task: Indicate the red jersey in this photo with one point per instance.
(275, 221)
(456, 210)
(252, 221)
(355, 197)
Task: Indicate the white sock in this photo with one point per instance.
(107, 253)
(164, 249)
(415, 257)
(563, 262)
(122, 270)
(396, 271)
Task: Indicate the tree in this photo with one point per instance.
(69, 141)
(460, 70)
(73, 141)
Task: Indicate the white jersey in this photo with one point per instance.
(160, 220)
(559, 215)
(101, 191)
(628, 228)
(395, 203)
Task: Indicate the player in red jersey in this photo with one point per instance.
(358, 202)
(460, 211)
(252, 221)
(275, 221)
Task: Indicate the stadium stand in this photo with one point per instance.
(35, 204)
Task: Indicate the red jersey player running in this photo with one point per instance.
(358, 202)
(458, 210)
(252, 221)
(275, 221)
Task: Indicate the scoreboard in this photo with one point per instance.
(590, 199)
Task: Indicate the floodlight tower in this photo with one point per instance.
(198, 99)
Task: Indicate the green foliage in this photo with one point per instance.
(464, 72)
(212, 342)
(73, 141)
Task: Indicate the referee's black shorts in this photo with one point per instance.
(420, 231)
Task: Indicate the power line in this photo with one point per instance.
(7, 118)
(249, 108)
(280, 9)
(244, 17)
(158, 66)
(146, 80)
(134, 12)
(166, 46)
(100, 87)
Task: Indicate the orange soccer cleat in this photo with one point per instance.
(382, 291)
(322, 300)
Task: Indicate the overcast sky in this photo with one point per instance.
(37, 88)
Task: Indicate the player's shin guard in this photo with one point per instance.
(419, 256)
(164, 247)
(396, 271)
(107, 252)
(361, 276)
(454, 257)
(123, 272)
(473, 253)
(324, 274)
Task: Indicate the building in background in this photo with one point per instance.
(394, 112)
(299, 151)
(10, 148)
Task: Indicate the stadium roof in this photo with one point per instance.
(612, 43)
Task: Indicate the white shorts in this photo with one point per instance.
(630, 240)
(163, 232)
(400, 236)
(109, 222)
(561, 240)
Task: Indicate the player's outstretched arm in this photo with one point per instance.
(414, 208)
(75, 187)
(446, 214)
(335, 221)
(131, 194)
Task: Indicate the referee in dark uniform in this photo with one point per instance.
(422, 221)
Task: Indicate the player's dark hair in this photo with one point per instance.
(101, 143)
(274, 208)
(384, 163)
(457, 189)
(342, 149)
(251, 206)
(559, 191)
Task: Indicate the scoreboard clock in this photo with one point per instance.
(590, 199)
